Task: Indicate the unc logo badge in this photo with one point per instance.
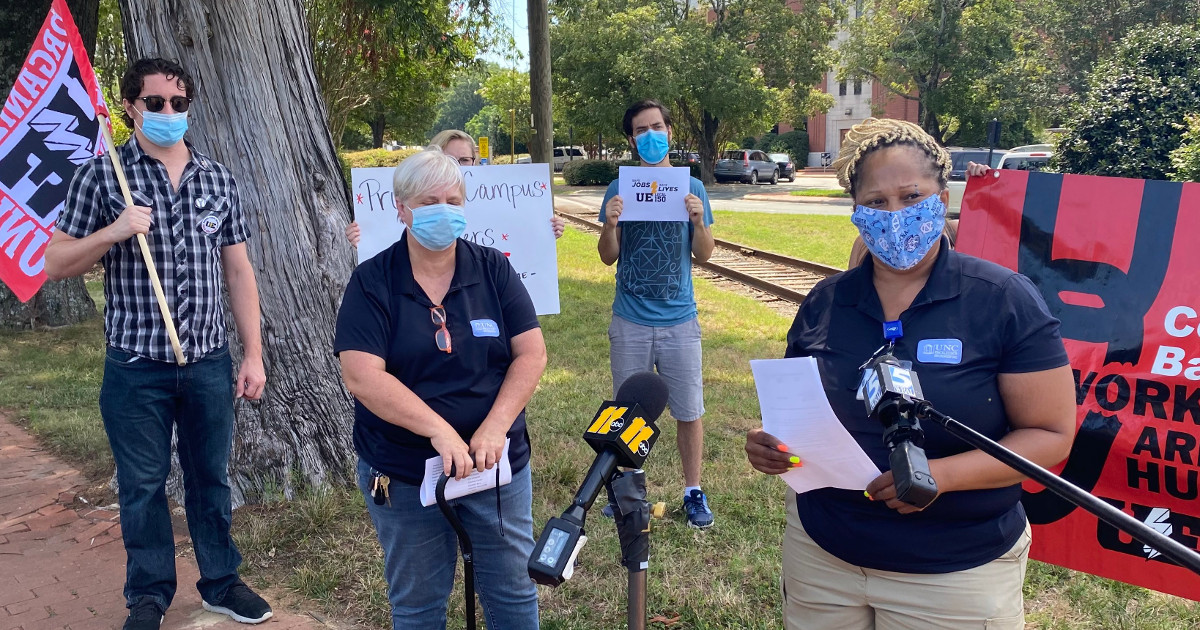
(210, 224)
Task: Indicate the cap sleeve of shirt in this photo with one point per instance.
(1032, 341)
(364, 319)
(608, 194)
(699, 191)
(803, 328)
(81, 214)
(234, 230)
(519, 313)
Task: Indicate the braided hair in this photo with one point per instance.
(878, 133)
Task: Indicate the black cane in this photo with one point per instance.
(464, 543)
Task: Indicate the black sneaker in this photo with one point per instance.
(144, 615)
(242, 604)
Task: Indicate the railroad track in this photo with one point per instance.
(784, 277)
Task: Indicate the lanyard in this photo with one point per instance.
(892, 332)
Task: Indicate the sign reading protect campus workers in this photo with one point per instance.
(654, 193)
(48, 127)
(507, 207)
(1117, 261)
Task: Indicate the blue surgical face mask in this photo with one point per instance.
(437, 226)
(652, 146)
(164, 130)
(901, 239)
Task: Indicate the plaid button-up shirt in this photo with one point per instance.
(189, 226)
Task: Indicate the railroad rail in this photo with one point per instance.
(781, 276)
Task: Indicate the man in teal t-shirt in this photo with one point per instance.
(654, 321)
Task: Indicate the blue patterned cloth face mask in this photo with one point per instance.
(901, 239)
(437, 226)
(652, 146)
(164, 130)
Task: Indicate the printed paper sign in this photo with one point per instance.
(1116, 261)
(653, 193)
(48, 127)
(507, 207)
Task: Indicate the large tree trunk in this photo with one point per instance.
(258, 111)
(66, 301)
(378, 125)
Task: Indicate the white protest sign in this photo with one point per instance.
(653, 193)
(507, 207)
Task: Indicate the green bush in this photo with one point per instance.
(372, 158)
(767, 142)
(795, 144)
(590, 172)
(507, 158)
(1186, 159)
(1131, 119)
(749, 142)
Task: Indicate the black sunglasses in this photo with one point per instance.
(155, 103)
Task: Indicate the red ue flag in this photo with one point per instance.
(1117, 261)
(48, 127)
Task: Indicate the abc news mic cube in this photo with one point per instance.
(622, 435)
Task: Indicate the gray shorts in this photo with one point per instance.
(673, 350)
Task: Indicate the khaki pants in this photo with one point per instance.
(823, 593)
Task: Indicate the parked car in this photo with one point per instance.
(687, 158)
(1034, 157)
(959, 157)
(787, 168)
(562, 155)
(746, 165)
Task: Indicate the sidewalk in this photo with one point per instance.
(62, 563)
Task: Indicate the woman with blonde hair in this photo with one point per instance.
(440, 346)
(988, 353)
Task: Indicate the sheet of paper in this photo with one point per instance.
(654, 193)
(472, 483)
(795, 410)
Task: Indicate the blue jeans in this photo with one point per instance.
(140, 401)
(420, 553)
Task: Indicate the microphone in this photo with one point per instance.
(889, 388)
(622, 433)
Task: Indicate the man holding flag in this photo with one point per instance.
(186, 206)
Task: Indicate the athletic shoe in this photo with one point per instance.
(144, 615)
(242, 604)
(695, 505)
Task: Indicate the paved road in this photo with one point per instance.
(734, 197)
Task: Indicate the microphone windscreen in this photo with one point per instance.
(646, 389)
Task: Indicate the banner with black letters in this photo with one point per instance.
(49, 125)
(1118, 263)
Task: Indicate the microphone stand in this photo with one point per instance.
(632, 513)
(1145, 534)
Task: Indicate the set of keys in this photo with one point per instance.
(379, 489)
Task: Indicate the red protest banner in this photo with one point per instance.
(1116, 261)
(49, 125)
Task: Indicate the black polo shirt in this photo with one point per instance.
(386, 313)
(973, 321)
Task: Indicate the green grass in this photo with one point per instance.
(820, 238)
(820, 192)
(321, 546)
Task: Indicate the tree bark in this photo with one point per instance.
(378, 125)
(57, 303)
(258, 110)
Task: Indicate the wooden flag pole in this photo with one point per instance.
(145, 247)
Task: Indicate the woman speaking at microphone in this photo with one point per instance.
(987, 352)
(440, 346)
